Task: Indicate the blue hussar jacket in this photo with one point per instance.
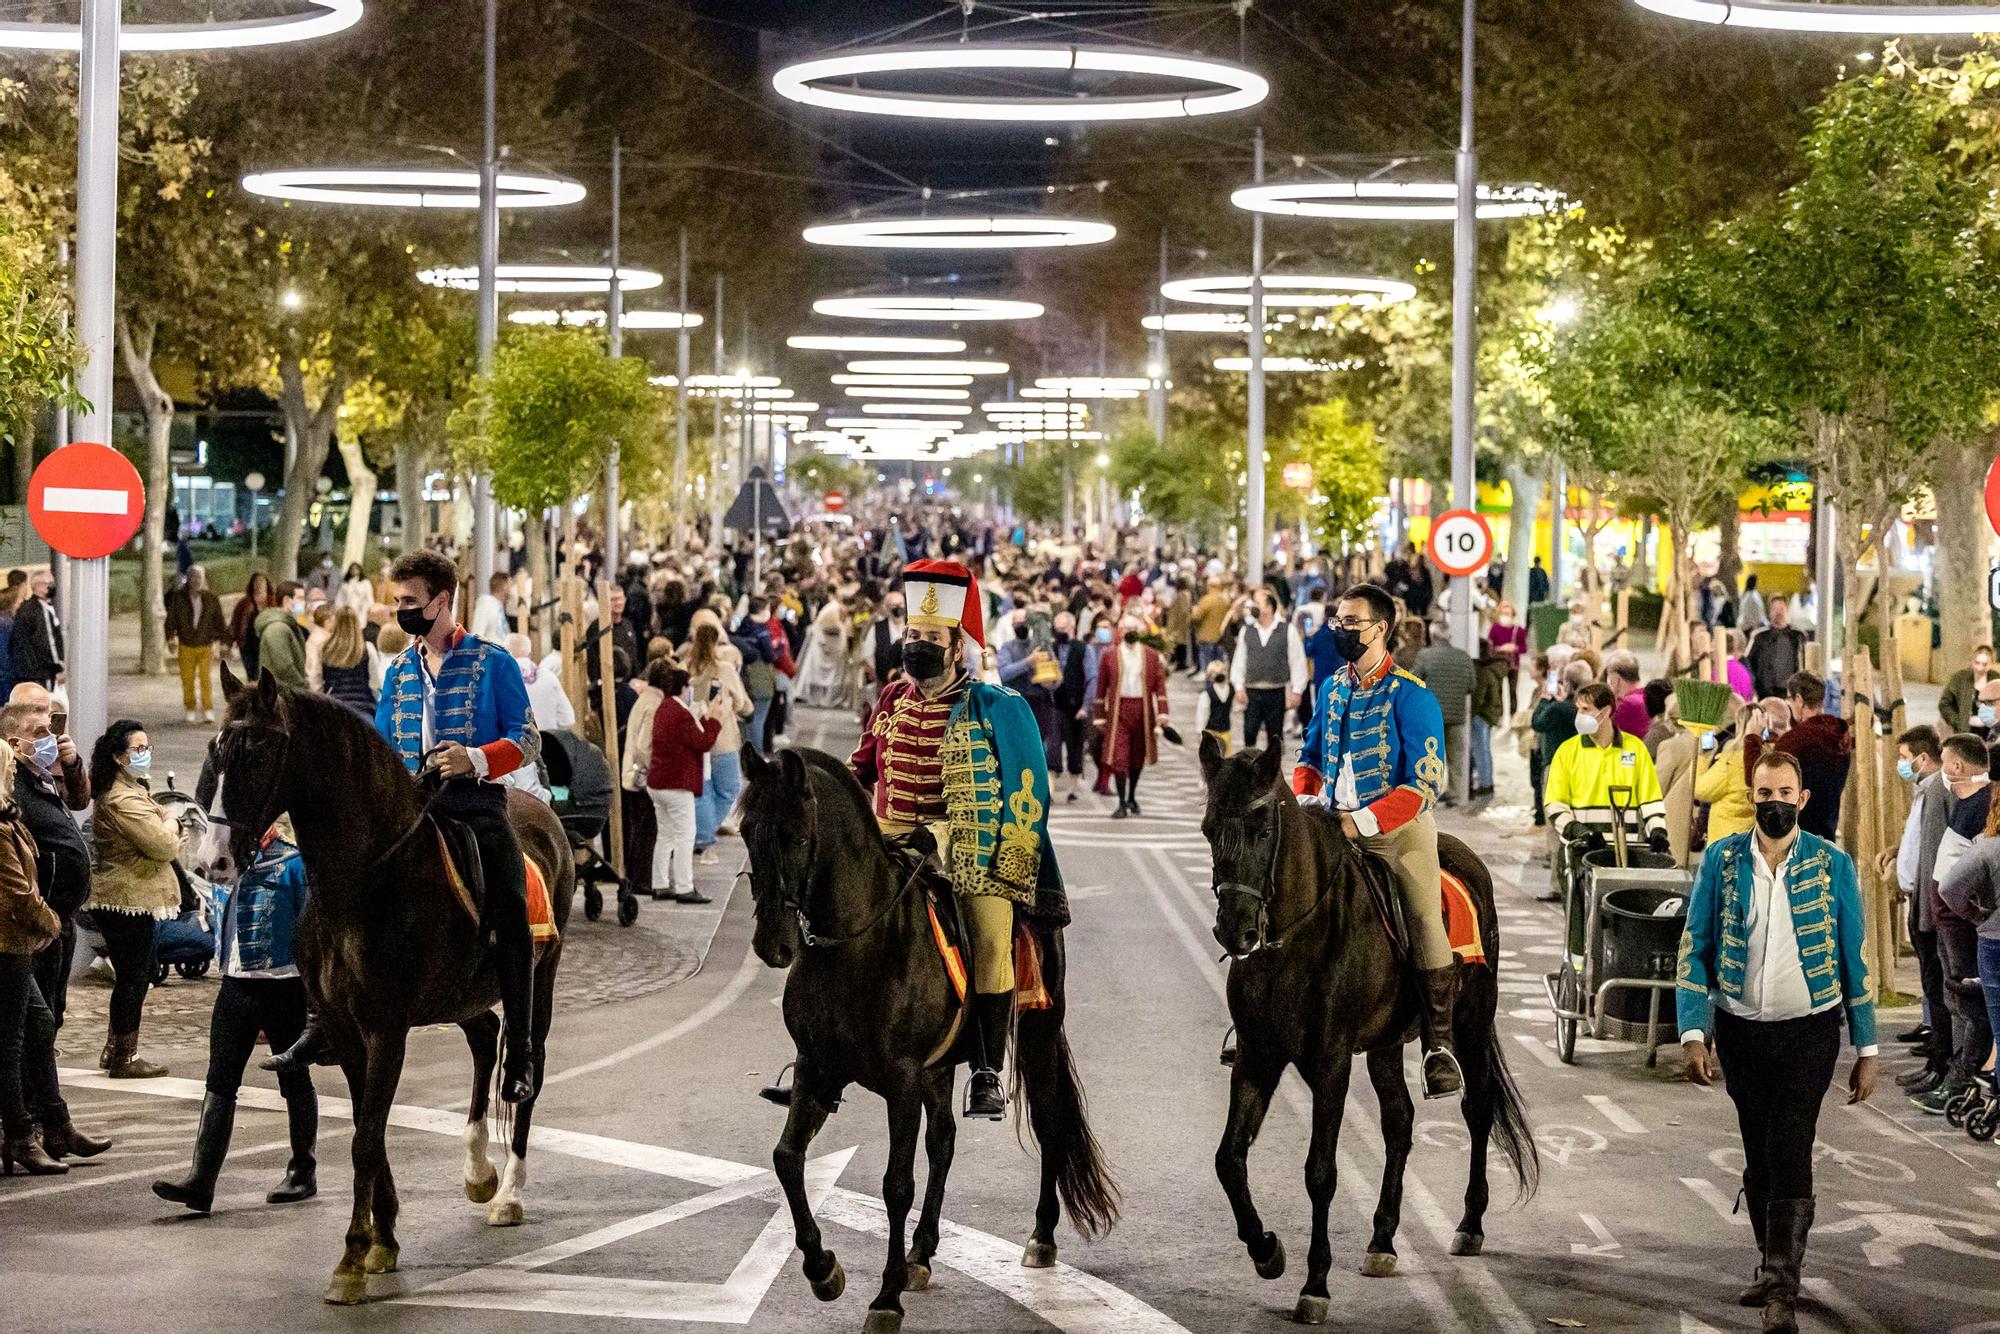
(1826, 914)
(1392, 729)
(479, 702)
(260, 913)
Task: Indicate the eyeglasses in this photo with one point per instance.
(1351, 623)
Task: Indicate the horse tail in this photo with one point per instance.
(1045, 1069)
(1511, 1130)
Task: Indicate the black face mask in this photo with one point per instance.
(1020, 632)
(415, 622)
(1776, 819)
(1131, 636)
(1062, 636)
(923, 660)
(1347, 643)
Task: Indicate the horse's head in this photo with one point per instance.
(1242, 824)
(780, 816)
(241, 783)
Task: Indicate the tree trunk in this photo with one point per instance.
(1729, 557)
(312, 426)
(1521, 526)
(361, 486)
(1964, 542)
(24, 456)
(137, 352)
(410, 503)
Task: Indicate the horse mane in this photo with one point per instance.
(340, 728)
(842, 778)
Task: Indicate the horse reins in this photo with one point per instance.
(1262, 898)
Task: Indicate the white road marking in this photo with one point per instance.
(85, 500)
(1711, 1195)
(745, 975)
(1607, 1247)
(1615, 1114)
(1691, 1325)
(1856, 1320)
(1540, 1050)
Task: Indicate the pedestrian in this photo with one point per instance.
(195, 626)
(489, 613)
(1720, 779)
(752, 638)
(1131, 708)
(1969, 820)
(1775, 652)
(1538, 583)
(681, 738)
(1553, 722)
(1212, 706)
(547, 699)
(263, 994)
(716, 682)
(642, 826)
(1972, 894)
(281, 637)
(37, 646)
(1750, 615)
(1621, 673)
(1268, 672)
(27, 1028)
(133, 846)
(1960, 697)
(1822, 745)
(1451, 675)
(1588, 770)
(1508, 638)
(1207, 619)
(1764, 904)
(1075, 690)
(258, 593)
(1657, 696)
(356, 592)
(1920, 763)
(344, 667)
(1487, 714)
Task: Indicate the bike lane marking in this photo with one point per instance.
(1615, 1114)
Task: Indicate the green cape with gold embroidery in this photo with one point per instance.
(996, 787)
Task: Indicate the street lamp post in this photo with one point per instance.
(1464, 333)
(253, 482)
(614, 323)
(715, 501)
(681, 407)
(1156, 395)
(1253, 556)
(489, 296)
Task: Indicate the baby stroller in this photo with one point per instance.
(581, 791)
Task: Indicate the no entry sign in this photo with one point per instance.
(1993, 495)
(835, 502)
(86, 500)
(1461, 542)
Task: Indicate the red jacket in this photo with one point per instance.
(679, 742)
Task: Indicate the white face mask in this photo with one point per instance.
(1586, 724)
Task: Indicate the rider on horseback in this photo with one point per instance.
(454, 706)
(1375, 753)
(964, 759)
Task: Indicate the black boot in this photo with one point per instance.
(991, 1014)
(211, 1145)
(311, 1049)
(302, 1173)
(514, 960)
(1786, 1224)
(22, 1148)
(1763, 1283)
(1442, 1077)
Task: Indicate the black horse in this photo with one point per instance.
(383, 944)
(1316, 979)
(868, 1002)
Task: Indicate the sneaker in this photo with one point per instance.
(1934, 1102)
(707, 858)
(208, 715)
(693, 896)
(192, 717)
(727, 829)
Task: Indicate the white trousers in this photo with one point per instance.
(673, 850)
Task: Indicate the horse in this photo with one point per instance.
(868, 1001)
(384, 944)
(1315, 979)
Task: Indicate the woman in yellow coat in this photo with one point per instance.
(1718, 777)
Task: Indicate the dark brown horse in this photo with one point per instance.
(1316, 981)
(384, 944)
(868, 1002)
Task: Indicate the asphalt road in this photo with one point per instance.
(650, 1200)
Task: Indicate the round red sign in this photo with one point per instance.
(86, 500)
(835, 502)
(1461, 542)
(1993, 495)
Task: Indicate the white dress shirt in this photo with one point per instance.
(1131, 671)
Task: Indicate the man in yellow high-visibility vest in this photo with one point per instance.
(1585, 769)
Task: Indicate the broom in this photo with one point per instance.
(1704, 705)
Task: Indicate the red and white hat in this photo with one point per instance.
(944, 593)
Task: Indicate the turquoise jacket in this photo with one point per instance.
(1826, 914)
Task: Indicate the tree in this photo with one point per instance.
(37, 349)
(1350, 472)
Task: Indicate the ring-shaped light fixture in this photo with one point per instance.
(732, 382)
(1087, 386)
(1289, 365)
(1854, 20)
(905, 424)
(905, 381)
(929, 309)
(628, 320)
(903, 391)
(872, 343)
(939, 366)
(326, 18)
(1048, 407)
(834, 82)
(961, 233)
(408, 187)
(917, 409)
(1290, 289)
(1211, 322)
(1409, 201)
(547, 279)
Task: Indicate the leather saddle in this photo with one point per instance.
(1388, 904)
(461, 850)
(916, 854)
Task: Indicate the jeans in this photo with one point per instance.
(27, 1042)
(760, 711)
(52, 967)
(1930, 968)
(1482, 753)
(673, 850)
(718, 795)
(1204, 654)
(1778, 1075)
(128, 943)
(1989, 979)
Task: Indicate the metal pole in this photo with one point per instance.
(62, 409)
(1826, 532)
(89, 581)
(1253, 554)
(715, 501)
(489, 296)
(1156, 394)
(1464, 626)
(614, 320)
(681, 407)
(743, 459)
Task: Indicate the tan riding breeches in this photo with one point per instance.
(1411, 853)
(988, 919)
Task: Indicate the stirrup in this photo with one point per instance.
(1456, 1070)
(1228, 1056)
(973, 1113)
(778, 1091)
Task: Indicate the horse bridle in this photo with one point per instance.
(796, 900)
(1262, 895)
(243, 727)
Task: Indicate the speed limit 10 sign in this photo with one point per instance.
(1461, 542)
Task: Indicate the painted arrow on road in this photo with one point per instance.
(1607, 1247)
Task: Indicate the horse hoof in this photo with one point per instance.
(919, 1279)
(507, 1214)
(347, 1289)
(1310, 1311)
(1467, 1243)
(828, 1289)
(484, 1189)
(1272, 1265)
(1379, 1264)
(380, 1260)
(883, 1322)
(1039, 1255)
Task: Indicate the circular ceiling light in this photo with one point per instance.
(549, 279)
(1855, 20)
(902, 391)
(1290, 365)
(1210, 321)
(591, 319)
(872, 343)
(1222, 86)
(941, 366)
(1290, 289)
(1412, 201)
(399, 187)
(940, 309)
(1087, 386)
(892, 424)
(961, 233)
(904, 381)
(326, 18)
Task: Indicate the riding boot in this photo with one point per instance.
(302, 1172)
(514, 961)
(196, 1192)
(22, 1148)
(62, 1139)
(125, 1062)
(1442, 1077)
(1786, 1224)
(311, 1049)
(984, 1098)
(1762, 1283)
